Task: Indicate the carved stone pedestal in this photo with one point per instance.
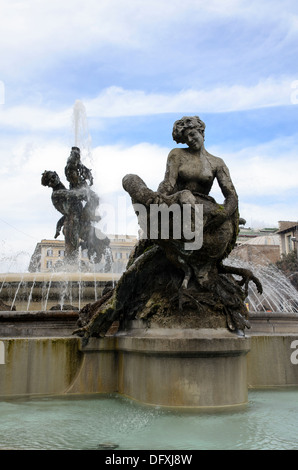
(183, 368)
(169, 367)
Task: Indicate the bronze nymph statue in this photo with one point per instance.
(164, 283)
(78, 206)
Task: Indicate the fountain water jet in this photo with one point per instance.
(30, 294)
(47, 288)
(82, 138)
(278, 295)
(16, 293)
(78, 206)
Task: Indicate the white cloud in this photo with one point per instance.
(260, 173)
(118, 102)
(260, 170)
(259, 216)
(36, 34)
(27, 214)
(112, 163)
(115, 101)
(163, 37)
(34, 118)
(264, 170)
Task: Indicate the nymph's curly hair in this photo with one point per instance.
(187, 122)
(46, 176)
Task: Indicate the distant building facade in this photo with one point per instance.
(253, 245)
(49, 255)
(121, 246)
(288, 233)
(260, 246)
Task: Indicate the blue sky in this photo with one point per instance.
(137, 66)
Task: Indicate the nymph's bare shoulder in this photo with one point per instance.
(216, 162)
(175, 155)
(176, 152)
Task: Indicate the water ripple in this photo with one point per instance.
(268, 422)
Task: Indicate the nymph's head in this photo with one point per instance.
(50, 178)
(75, 154)
(189, 130)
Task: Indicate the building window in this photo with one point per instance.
(61, 253)
(288, 243)
(118, 255)
(49, 264)
(50, 252)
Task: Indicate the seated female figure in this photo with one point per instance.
(189, 176)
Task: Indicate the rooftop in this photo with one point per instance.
(270, 239)
(285, 225)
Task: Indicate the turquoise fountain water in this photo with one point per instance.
(268, 422)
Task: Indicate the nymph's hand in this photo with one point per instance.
(154, 199)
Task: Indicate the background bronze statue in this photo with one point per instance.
(164, 282)
(78, 206)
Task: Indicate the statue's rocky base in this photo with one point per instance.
(176, 345)
(151, 289)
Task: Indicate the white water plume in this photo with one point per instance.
(279, 295)
(82, 138)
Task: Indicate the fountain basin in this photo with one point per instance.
(43, 291)
(157, 366)
(37, 324)
(166, 367)
(38, 366)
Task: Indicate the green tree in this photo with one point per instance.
(288, 264)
